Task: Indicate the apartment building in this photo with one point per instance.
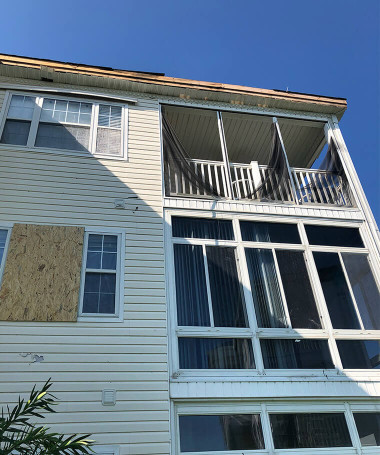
(194, 264)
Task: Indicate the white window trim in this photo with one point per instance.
(4, 258)
(253, 332)
(120, 277)
(92, 139)
(264, 408)
(106, 450)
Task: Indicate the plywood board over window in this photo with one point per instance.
(41, 279)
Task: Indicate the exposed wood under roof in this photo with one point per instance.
(158, 83)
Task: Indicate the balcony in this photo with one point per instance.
(207, 143)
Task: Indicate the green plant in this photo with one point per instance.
(20, 436)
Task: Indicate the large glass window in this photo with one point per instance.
(224, 432)
(309, 430)
(65, 124)
(248, 296)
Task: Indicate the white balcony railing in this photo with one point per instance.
(311, 186)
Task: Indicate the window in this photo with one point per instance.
(4, 238)
(65, 124)
(254, 295)
(307, 430)
(101, 279)
(224, 432)
(368, 425)
(274, 427)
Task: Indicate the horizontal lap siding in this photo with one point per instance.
(83, 359)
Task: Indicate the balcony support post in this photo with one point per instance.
(225, 156)
(332, 130)
(277, 126)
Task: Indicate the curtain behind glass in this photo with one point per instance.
(365, 289)
(215, 353)
(191, 291)
(225, 286)
(265, 288)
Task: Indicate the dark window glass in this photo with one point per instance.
(365, 289)
(99, 293)
(298, 292)
(293, 354)
(203, 433)
(335, 289)
(253, 231)
(213, 353)
(368, 425)
(202, 228)
(191, 290)
(15, 132)
(225, 286)
(296, 431)
(359, 354)
(265, 288)
(334, 236)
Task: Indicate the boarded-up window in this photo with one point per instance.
(42, 273)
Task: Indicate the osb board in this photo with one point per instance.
(42, 273)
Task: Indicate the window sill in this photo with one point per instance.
(102, 319)
(23, 148)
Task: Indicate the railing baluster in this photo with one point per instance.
(217, 179)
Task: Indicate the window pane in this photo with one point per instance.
(368, 425)
(66, 111)
(99, 293)
(365, 289)
(265, 288)
(296, 431)
(21, 107)
(15, 132)
(210, 353)
(109, 116)
(3, 239)
(359, 354)
(95, 242)
(334, 236)
(198, 228)
(201, 433)
(253, 231)
(299, 295)
(336, 292)
(191, 291)
(225, 286)
(108, 142)
(65, 137)
(292, 354)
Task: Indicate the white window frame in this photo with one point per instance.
(253, 332)
(120, 277)
(93, 126)
(264, 409)
(4, 258)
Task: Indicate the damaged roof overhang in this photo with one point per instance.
(161, 85)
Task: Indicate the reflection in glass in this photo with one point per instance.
(365, 289)
(296, 431)
(336, 292)
(292, 354)
(265, 288)
(334, 236)
(368, 425)
(299, 294)
(214, 353)
(201, 433)
(359, 354)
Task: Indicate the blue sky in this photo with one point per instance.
(327, 47)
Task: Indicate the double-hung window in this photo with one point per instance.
(4, 241)
(101, 293)
(257, 295)
(48, 122)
